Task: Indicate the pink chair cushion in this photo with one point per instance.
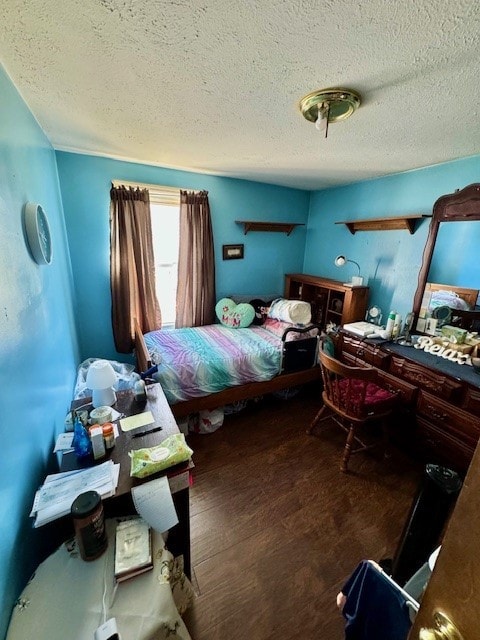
(376, 400)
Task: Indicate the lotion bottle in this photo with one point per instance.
(397, 323)
(390, 323)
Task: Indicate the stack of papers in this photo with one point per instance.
(54, 499)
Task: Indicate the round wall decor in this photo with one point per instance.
(38, 233)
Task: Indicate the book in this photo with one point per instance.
(133, 549)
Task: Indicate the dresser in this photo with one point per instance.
(439, 417)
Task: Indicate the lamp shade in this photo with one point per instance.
(341, 261)
(100, 379)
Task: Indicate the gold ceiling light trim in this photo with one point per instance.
(329, 105)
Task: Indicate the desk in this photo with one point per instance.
(179, 475)
(65, 598)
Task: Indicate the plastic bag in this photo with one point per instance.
(206, 421)
(171, 451)
(126, 377)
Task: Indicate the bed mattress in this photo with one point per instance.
(197, 361)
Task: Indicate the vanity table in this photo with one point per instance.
(439, 418)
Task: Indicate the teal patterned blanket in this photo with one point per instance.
(198, 361)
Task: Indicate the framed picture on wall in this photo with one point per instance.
(232, 251)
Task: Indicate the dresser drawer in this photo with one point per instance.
(425, 378)
(408, 392)
(352, 360)
(441, 448)
(368, 352)
(472, 401)
(452, 420)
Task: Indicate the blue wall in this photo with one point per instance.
(389, 260)
(39, 312)
(85, 184)
(38, 346)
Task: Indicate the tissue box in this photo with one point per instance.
(456, 333)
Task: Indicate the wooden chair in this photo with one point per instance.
(354, 397)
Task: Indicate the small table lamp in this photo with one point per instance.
(357, 281)
(100, 379)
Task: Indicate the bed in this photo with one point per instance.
(208, 367)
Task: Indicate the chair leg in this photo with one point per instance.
(316, 420)
(348, 449)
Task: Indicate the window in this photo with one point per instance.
(165, 217)
(165, 232)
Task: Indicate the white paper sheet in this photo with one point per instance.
(64, 442)
(54, 498)
(153, 501)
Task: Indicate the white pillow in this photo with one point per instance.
(294, 311)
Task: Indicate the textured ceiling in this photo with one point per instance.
(213, 86)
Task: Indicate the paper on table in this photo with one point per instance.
(64, 442)
(138, 420)
(54, 499)
(153, 501)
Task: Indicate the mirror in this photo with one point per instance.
(453, 229)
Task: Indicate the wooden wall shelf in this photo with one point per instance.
(407, 222)
(282, 227)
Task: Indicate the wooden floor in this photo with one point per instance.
(277, 528)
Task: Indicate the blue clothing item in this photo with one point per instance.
(374, 609)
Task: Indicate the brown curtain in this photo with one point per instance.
(132, 266)
(196, 262)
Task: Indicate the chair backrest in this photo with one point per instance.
(346, 389)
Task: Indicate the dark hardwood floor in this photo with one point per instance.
(277, 528)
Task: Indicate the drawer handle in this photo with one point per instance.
(438, 416)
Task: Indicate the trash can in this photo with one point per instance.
(428, 515)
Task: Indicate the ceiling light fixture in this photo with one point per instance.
(329, 105)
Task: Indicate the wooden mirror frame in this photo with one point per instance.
(463, 205)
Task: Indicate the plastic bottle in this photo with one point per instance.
(397, 325)
(108, 435)
(390, 323)
(81, 441)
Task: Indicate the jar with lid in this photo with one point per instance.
(108, 435)
(89, 524)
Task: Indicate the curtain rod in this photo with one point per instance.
(150, 187)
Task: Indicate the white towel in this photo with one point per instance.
(294, 311)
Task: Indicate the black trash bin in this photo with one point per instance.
(425, 523)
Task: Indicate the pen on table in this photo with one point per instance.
(146, 433)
